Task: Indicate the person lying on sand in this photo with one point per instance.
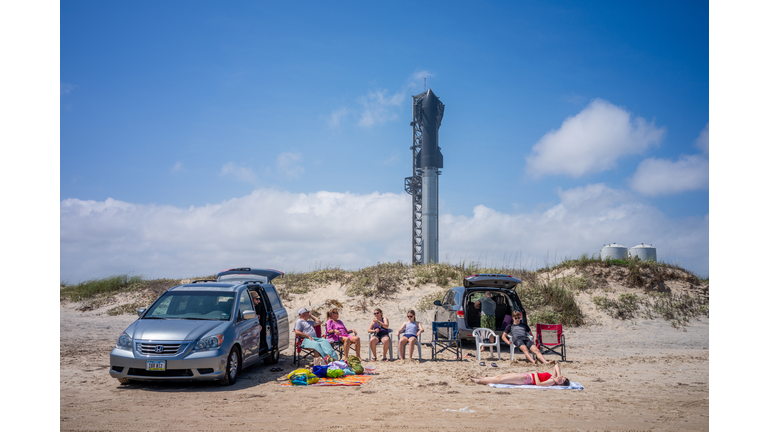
(379, 332)
(520, 339)
(543, 379)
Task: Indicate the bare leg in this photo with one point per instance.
(374, 342)
(510, 378)
(346, 348)
(527, 353)
(356, 341)
(403, 341)
(539, 355)
(385, 349)
(412, 342)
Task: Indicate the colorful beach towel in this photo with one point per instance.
(574, 386)
(350, 380)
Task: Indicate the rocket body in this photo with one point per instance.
(430, 160)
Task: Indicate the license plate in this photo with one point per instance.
(156, 365)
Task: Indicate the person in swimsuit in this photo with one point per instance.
(543, 379)
(336, 331)
(412, 330)
(379, 333)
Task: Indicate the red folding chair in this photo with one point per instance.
(550, 339)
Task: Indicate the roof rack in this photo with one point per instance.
(204, 280)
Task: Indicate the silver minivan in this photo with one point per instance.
(458, 303)
(203, 331)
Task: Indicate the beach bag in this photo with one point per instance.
(302, 377)
(320, 371)
(355, 365)
(334, 373)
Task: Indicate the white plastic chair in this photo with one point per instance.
(483, 333)
(391, 354)
(402, 354)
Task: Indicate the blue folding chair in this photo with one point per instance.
(451, 343)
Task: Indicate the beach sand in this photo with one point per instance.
(639, 375)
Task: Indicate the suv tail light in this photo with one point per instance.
(460, 313)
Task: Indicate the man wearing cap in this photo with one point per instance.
(305, 328)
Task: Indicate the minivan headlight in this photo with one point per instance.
(209, 343)
(124, 342)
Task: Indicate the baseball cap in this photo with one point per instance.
(302, 310)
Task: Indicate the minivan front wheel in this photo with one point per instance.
(233, 367)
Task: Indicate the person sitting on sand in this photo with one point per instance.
(412, 329)
(305, 328)
(335, 331)
(379, 333)
(543, 379)
(520, 339)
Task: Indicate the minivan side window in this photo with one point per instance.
(274, 299)
(447, 298)
(245, 304)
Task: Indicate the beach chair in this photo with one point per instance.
(300, 353)
(483, 334)
(402, 355)
(370, 353)
(550, 339)
(450, 343)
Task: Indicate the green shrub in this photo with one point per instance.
(551, 301)
(93, 287)
(379, 280)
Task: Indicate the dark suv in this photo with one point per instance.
(458, 303)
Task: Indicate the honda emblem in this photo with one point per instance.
(159, 349)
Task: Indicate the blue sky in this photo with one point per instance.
(196, 137)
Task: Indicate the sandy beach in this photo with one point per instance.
(638, 375)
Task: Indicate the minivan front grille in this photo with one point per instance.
(160, 349)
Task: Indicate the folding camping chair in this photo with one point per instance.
(550, 338)
(300, 353)
(391, 354)
(450, 343)
(481, 334)
(402, 354)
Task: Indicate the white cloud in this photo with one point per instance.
(380, 105)
(592, 141)
(294, 232)
(288, 163)
(702, 142)
(65, 88)
(664, 177)
(178, 166)
(244, 174)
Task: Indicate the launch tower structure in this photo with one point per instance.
(423, 184)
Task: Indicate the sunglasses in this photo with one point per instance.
(410, 316)
(377, 313)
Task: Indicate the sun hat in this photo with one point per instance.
(302, 310)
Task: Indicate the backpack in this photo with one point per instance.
(355, 365)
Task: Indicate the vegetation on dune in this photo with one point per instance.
(547, 294)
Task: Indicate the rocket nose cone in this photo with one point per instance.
(430, 99)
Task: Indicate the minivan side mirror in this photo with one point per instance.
(140, 312)
(249, 314)
(438, 303)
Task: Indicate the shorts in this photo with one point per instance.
(408, 336)
(380, 335)
(522, 341)
(488, 321)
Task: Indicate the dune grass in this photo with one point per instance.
(93, 287)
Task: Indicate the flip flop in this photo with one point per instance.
(493, 365)
(481, 363)
(276, 369)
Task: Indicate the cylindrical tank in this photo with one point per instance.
(429, 216)
(613, 251)
(644, 252)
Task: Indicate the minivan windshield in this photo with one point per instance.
(197, 305)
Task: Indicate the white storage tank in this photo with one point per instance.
(613, 251)
(644, 252)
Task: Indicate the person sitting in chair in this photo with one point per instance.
(379, 332)
(305, 328)
(519, 338)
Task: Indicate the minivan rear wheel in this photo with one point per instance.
(273, 357)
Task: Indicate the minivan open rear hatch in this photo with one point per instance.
(491, 280)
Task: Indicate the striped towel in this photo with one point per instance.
(349, 380)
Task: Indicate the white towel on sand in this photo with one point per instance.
(574, 386)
